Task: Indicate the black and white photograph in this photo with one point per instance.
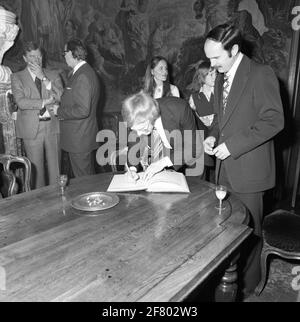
(149, 153)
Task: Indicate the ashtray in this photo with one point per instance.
(94, 201)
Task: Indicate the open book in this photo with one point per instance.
(165, 181)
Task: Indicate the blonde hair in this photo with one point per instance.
(138, 108)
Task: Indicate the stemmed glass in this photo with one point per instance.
(221, 192)
(62, 182)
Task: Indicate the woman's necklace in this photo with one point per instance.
(158, 91)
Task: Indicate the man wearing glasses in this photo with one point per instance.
(77, 111)
(35, 90)
(165, 130)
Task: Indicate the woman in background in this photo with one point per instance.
(201, 101)
(156, 82)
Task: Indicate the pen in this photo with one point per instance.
(133, 176)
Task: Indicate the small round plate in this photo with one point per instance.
(94, 201)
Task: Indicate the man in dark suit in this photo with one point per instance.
(167, 128)
(249, 114)
(35, 88)
(77, 111)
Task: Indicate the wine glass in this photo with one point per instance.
(221, 192)
(62, 182)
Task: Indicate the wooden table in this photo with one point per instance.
(149, 247)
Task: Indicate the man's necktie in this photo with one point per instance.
(225, 92)
(38, 84)
(157, 148)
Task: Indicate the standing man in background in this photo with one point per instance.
(77, 112)
(249, 114)
(34, 90)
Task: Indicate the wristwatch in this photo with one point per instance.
(44, 78)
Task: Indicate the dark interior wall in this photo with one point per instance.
(122, 35)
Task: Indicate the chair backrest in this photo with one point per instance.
(9, 177)
(13, 107)
(117, 166)
(110, 121)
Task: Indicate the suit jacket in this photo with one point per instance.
(29, 101)
(203, 108)
(78, 111)
(177, 115)
(253, 116)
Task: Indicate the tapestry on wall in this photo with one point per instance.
(123, 35)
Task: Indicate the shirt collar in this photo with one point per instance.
(78, 66)
(33, 76)
(160, 129)
(230, 74)
(158, 123)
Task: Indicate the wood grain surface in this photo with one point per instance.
(149, 247)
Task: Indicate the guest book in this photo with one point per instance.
(164, 181)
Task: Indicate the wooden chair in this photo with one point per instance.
(11, 186)
(111, 120)
(281, 237)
